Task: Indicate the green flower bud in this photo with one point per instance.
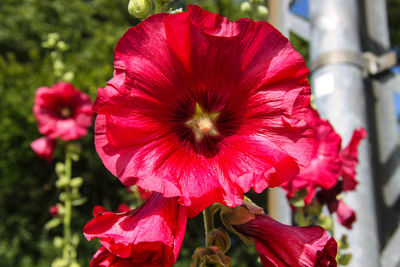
(140, 8)
(245, 6)
(76, 182)
(262, 11)
(62, 182)
(219, 238)
(58, 242)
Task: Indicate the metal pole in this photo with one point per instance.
(387, 154)
(340, 97)
(278, 207)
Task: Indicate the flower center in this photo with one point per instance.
(203, 123)
(65, 112)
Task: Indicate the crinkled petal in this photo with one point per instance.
(350, 160)
(151, 234)
(345, 215)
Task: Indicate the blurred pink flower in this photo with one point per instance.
(62, 111)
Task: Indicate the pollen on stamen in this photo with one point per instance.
(205, 124)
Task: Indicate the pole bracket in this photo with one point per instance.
(370, 63)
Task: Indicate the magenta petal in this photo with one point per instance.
(44, 147)
(151, 234)
(282, 245)
(345, 215)
(350, 160)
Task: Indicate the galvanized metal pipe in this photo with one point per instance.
(340, 97)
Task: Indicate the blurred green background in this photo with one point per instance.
(91, 29)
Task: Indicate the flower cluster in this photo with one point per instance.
(62, 113)
(199, 111)
(331, 171)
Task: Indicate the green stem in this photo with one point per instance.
(208, 222)
(68, 210)
(301, 218)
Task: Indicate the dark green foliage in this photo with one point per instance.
(91, 29)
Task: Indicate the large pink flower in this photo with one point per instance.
(150, 235)
(62, 111)
(282, 245)
(203, 108)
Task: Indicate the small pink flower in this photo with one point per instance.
(62, 111)
(44, 147)
(204, 109)
(345, 215)
(150, 235)
(282, 245)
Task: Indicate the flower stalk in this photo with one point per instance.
(208, 223)
(68, 209)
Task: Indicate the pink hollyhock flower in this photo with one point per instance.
(150, 235)
(204, 109)
(345, 215)
(329, 162)
(289, 246)
(325, 167)
(44, 147)
(349, 158)
(62, 111)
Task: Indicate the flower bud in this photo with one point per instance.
(219, 238)
(76, 182)
(140, 8)
(54, 210)
(245, 6)
(262, 11)
(210, 255)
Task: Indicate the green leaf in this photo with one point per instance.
(343, 244)
(344, 259)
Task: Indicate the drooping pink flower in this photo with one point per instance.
(282, 245)
(150, 235)
(62, 111)
(324, 169)
(44, 147)
(345, 215)
(204, 109)
(349, 158)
